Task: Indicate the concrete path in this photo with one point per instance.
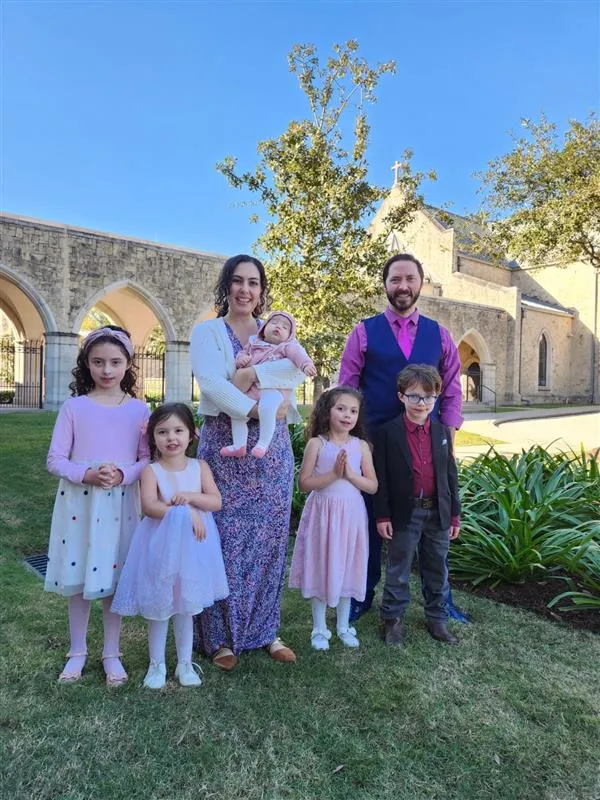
(553, 428)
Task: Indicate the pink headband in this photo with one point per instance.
(108, 333)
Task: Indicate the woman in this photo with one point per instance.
(257, 492)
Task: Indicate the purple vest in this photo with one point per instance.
(383, 361)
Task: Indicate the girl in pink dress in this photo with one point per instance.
(175, 566)
(98, 451)
(329, 564)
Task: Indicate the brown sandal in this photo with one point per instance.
(280, 652)
(224, 659)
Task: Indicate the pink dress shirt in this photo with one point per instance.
(405, 330)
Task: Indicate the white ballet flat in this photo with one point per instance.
(156, 677)
(186, 674)
(348, 637)
(319, 640)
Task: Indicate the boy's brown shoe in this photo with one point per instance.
(439, 630)
(392, 631)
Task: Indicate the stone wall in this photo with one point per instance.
(574, 286)
(430, 242)
(72, 269)
(52, 275)
(492, 325)
(485, 271)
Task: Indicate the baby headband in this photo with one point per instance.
(108, 333)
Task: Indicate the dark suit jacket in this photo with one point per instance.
(393, 464)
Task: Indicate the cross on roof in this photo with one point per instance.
(396, 168)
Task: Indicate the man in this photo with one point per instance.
(376, 351)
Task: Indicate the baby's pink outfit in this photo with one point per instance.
(261, 351)
(269, 400)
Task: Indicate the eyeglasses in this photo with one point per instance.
(415, 399)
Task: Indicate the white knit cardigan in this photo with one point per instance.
(213, 365)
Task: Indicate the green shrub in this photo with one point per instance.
(297, 436)
(524, 515)
(586, 566)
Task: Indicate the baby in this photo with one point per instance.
(276, 339)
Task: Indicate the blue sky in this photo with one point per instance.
(115, 113)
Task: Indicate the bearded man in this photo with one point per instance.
(376, 351)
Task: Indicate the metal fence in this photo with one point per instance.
(150, 374)
(21, 373)
(305, 393)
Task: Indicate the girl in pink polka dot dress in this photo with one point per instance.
(98, 451)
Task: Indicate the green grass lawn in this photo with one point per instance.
(513, 713)
(466, 438)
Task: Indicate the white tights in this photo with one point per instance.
(319, 614)
(183, 627)
(79, 616)
(268, 403)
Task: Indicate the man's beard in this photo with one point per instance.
(402, 302)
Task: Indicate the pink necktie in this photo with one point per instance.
(404, 342)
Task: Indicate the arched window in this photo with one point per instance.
(543, 361)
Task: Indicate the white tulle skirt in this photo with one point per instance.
(168, 571)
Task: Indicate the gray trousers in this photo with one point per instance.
(422, 534)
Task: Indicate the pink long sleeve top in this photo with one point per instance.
(87, 434)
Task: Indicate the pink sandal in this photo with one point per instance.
(74, 675)
(113, 679)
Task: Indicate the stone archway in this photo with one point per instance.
(64, 271)
(162, 373)
(25, 319)
(478, 371)
(25, 307)
(132, 305)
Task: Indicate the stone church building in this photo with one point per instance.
(523, 335)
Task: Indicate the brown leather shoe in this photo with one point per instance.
(224, 659)
(280, 652)
(439, 630)
(393, 632)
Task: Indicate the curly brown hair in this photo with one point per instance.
(83, 383)
(226, 278)
(319, 420)
(162, 413)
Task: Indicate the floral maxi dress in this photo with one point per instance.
(254, 528)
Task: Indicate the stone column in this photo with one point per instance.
(513, 350)
(60, 357)
(178, 373)
(488, 384)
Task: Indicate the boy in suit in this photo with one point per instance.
(417, 505)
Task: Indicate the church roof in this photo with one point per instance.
(465, 230)
(541, 305)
